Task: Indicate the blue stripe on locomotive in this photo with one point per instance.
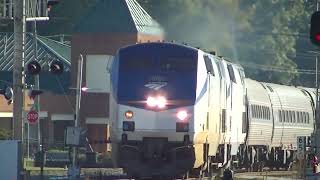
(136, 66)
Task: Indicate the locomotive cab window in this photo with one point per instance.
(231, 73)
(218, 67)
(209, 66)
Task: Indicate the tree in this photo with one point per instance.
(65, 15)
(271, 41)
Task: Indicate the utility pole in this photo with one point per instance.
(317, 124)
(18, 73)
(36, 82)
(37, 100)
(78, 101)
(74, 171)
(316, 132)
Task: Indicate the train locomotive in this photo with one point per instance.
(177, 110)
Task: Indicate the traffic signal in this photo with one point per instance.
(315, 28)
(34, 92)
(51, 3)
(8, 94)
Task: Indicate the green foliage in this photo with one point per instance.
(4, 134)
(65, 15)
(271, 41)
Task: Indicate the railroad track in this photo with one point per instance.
(114, 174)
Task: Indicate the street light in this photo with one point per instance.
(7, 93)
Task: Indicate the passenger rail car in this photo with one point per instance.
(277, 115)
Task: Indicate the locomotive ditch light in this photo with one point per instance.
(182, 115)
(128, 114)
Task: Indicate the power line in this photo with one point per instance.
(277, 69)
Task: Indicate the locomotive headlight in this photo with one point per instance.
(182, 125)
(182, 115)
(151, 101)
(128, 114)
(160, 101)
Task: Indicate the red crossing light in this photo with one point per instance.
(317, 37)
(315, 28)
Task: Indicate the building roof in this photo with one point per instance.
(120, 16)
(47, 51)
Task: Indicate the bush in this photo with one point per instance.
(105, 159)
(5, 134)
(29, 162)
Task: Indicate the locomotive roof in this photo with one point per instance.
(160, 44)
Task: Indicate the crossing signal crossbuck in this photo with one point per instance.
(315, 28)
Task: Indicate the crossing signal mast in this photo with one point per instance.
(315, 39)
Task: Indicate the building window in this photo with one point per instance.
(280, 116)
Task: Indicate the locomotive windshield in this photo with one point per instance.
(162, 64)
(136, 63)
(176, 64)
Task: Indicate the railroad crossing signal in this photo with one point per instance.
(315, 28)
(32, 117)
(34, 67)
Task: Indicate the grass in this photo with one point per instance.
(47, 171)
(28, 166)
